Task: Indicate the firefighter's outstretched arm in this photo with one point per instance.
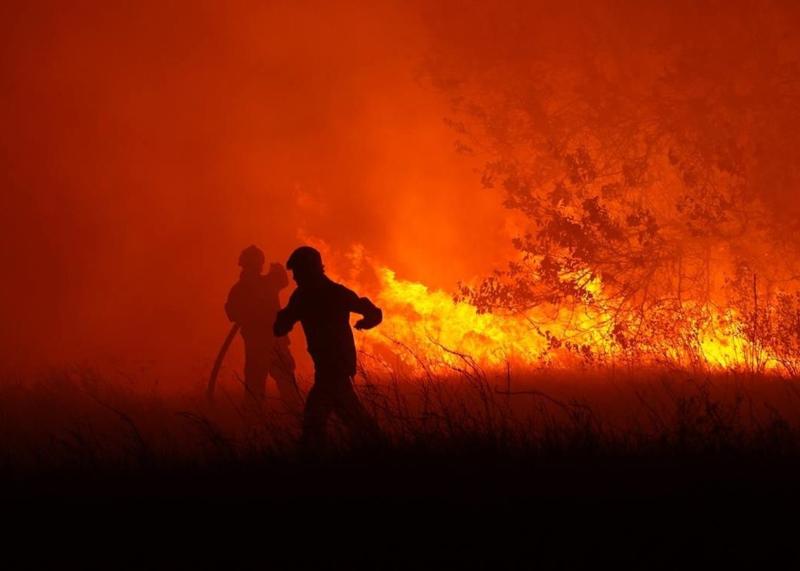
(372, 313)
(278, 275)
(286, 318)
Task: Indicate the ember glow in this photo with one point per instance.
(588, 184)
(429, 330)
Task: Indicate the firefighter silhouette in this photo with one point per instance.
(323, 307)
(253, 304)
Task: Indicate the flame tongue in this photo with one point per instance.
(429, 329)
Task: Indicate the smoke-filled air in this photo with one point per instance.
(524, 184)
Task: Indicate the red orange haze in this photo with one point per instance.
(636, 163)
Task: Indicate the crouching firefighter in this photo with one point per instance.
(323, 307)
(253, 304)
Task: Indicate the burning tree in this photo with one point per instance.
(651, 168)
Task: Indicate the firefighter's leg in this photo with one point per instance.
(282, 370)
(256, 368)
(319, 406)
(354, 415)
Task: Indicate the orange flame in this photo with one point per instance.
(428, 329)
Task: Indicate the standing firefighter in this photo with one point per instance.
(253, 304)
(323, 308)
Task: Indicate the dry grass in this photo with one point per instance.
(553, 469)
(75, 420)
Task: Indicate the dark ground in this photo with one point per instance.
(417, 513)
(702, 479)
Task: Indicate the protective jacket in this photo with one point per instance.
(253, 302)
(323, 308)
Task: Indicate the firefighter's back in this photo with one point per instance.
(325, 316)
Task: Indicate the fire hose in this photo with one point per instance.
(212, 380)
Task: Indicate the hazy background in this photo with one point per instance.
(145, 144)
